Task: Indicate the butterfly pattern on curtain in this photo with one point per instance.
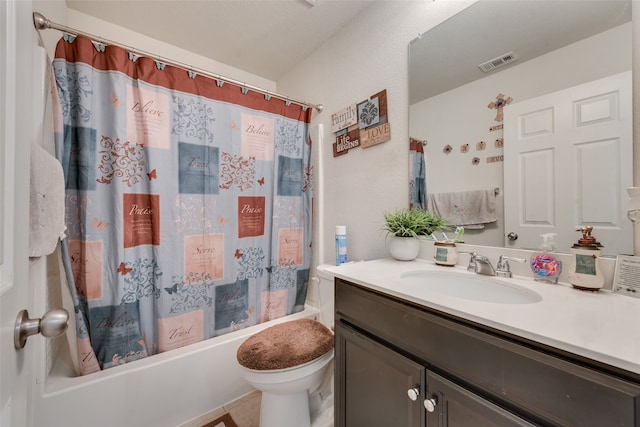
(188, 203)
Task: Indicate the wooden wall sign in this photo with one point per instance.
(364, 124)
(344, 118)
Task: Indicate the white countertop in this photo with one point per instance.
(602, 326)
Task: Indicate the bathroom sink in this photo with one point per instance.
(471, 287)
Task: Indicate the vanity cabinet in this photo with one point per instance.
(456, 406)
(462, 374)
(367, 368)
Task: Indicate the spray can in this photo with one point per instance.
(341, 244)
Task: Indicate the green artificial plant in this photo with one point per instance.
(413, 222)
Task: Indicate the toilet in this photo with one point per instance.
(286, 362)
(286, 387)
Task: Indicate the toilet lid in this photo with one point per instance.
(285, 345)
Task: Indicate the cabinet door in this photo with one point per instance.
(458, 407)
(373, 384)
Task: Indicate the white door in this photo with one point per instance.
(569, 159)
(15, 139)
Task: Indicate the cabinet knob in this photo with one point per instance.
(430, 404)
(413, 393)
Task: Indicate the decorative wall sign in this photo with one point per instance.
(368, 113)
(346, 139)
(376, 135)
(344, 118)
(361, 125)
(380, 130)
(499, 104)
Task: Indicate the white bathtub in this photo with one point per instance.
(165, 390)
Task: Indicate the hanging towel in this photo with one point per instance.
(46, 185)
(417, 175)
(470, 209)
(46, 216)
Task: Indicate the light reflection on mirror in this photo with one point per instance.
(557, 45)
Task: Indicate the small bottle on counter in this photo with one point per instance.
(341, 244)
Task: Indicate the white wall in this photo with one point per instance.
(56, 11)
(460, 116)
(367, 56)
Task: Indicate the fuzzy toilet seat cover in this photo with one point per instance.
(285, 345)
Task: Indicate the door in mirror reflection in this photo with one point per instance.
(570, 151)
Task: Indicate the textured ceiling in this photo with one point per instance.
(491, 28)
(264, 37)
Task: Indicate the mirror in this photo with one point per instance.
(532, 49)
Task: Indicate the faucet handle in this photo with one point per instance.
(503, 269)
(472, 260)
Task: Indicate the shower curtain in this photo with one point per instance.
(417, 175)
(188, 203)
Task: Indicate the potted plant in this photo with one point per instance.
(406, 226)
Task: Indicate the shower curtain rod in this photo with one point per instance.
(42, 23)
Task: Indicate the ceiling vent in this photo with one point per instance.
(498, 62)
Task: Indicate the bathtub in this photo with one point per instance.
(165, 390)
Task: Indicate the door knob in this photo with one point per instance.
(512, 236)
(53, 323)
(430, 404)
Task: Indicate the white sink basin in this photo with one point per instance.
(473, 287)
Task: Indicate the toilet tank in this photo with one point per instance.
(325, 294)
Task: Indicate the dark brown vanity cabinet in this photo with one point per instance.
(400, 364)
(368, 367)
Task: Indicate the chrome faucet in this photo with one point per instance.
(502, 268)
(480, 264)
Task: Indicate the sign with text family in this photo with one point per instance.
(361, 125)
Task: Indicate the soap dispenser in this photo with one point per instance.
(545, 267)
(585, 273)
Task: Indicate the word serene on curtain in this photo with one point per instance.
(188, 203)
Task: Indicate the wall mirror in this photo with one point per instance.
(503, 128)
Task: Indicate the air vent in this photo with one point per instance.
(498, 62)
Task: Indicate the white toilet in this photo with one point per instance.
(286, 362)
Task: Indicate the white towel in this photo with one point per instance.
(470, 209)
(46, 216)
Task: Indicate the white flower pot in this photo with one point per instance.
(404, 248)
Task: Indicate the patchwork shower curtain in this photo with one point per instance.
(188, 203)
(417, 175)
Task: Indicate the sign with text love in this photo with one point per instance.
(375, 135)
